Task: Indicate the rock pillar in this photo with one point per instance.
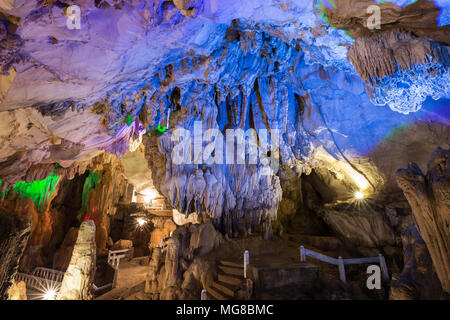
(79, 276)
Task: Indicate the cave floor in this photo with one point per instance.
(132, 272)
(282, 253)
(130, 279)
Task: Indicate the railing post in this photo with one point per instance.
(204, 295)
(249, 289)
(302, 254)
(246, 262)
(341, 269)
(384, 267)
(116, 272)
(131, 253)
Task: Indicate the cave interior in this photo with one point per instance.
(224, 150)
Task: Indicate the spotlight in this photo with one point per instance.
(141, 222)
(50, 294)
(359, 195)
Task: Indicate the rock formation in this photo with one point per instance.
(14, 234)
(429, 197)
(77, 282)
(17, 291)
(418, 279)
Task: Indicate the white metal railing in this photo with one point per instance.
(342, 262)
(31, 281)
(106, 286)
(49, 274)
(115, 256)
(37, 283)
(45, 277)
(154, 206)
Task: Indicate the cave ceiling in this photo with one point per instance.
(335, 90)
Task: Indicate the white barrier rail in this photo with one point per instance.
(340, 262)
(49, 274)
(246, 262)
(37, 283)
(115, 256)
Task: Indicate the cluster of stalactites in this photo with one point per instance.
(400, 69)
(383, 54)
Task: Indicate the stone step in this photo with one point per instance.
(230, 280)
(225, 288)
(232, 270)
(215, 294)
(231, 264)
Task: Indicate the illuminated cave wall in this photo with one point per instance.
(71, 94)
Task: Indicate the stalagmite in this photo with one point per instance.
(78, 279)
(429, 197)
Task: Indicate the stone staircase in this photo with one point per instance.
(230, 280)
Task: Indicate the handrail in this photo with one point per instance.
(96, 289)
(36, 283)
(340, 262)
(31, 281)
(49, 274)
(154, 206)
(114, 258)
(246, 262)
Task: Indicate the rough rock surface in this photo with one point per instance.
(418, 17)
(380, 55)
(79, 276)
(363, 227)
(14, 234)
(418, 279)
(184, 266)
(429, 197)
(17, 291)
(122, 244)
(63, 255)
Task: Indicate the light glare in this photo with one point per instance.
(50, 294)
(359, 195)
(141, 222)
